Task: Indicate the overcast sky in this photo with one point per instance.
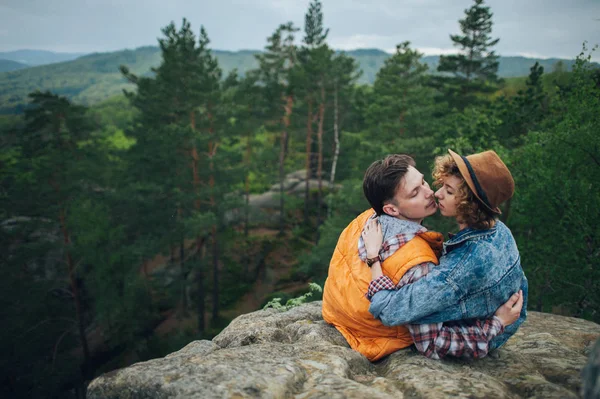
(540, 28)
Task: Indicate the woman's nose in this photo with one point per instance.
(438, 194)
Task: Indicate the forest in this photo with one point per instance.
(131, 227)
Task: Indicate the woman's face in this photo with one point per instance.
(447, 195)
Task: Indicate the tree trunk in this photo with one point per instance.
(247, 161)
(245, 256)
(320, 159)
(184, 304)
(76, 296)
(199, 241)
(282, 153)
(201, 305)
(336, 149)
(145, 271)
(212, 148)
(308, 159)
(404, 106)
(215, 256)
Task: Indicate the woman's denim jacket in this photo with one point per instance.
(478, 271)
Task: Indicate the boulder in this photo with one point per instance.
(274, 354)
(268, 199)
(313, 184)
(299, 174)
(288, 184)
(591, 374)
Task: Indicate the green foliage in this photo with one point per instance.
(525, 111)
(471, 131)
(44, 160)
(275, 303)
(401, 100)
(555, 214)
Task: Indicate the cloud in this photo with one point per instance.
(360, 41)
(544, 27)
(437, 50)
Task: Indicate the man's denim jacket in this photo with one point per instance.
(478, 271)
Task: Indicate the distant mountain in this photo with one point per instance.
(38, 57)
(9, 65)
(92, 78)
(371, 60)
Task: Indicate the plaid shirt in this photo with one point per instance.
(390, 245)
(462, 338)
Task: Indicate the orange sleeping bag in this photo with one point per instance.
(345, 305)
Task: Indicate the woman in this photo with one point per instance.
(479, 269)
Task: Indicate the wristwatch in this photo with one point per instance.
(371, 261)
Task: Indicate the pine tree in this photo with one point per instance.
(274, 69)
(401, 100)
(474, 70)
(314, 78)
(314, 30)
(525, 111)
(55, 160)
(178, 137)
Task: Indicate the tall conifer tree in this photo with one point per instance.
(474, 70)
(402, 102)
(313, 75)
(177, 137)
(55, 161)
(274, 73)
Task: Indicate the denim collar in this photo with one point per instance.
(470, 234)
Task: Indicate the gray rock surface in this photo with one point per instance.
(295, 354)
(264, 207)
(591, 374)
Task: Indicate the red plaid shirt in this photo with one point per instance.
(389, 246)
(462, 338)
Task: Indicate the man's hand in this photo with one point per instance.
(373, 237)
(511, 310)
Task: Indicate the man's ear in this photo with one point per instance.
(390, 209)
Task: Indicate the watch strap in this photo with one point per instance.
(371, 261)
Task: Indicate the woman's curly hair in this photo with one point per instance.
(469, 209)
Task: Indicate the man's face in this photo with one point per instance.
(413, 200)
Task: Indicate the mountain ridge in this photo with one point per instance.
(91, 78)
(10, 65)
(38, 57)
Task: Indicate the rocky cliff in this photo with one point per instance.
(272, 354)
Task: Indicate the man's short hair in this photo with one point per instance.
(383, 178)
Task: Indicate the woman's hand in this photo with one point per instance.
(373, 237)
(511, 310)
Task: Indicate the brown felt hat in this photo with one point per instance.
(487, 176)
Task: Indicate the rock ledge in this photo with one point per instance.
(272, 354)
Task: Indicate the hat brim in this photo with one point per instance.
(464, 171)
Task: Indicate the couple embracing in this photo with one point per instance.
(392, 283)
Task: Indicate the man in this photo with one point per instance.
(344, 303)
(396, 188)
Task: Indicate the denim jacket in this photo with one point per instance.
(478, 271)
